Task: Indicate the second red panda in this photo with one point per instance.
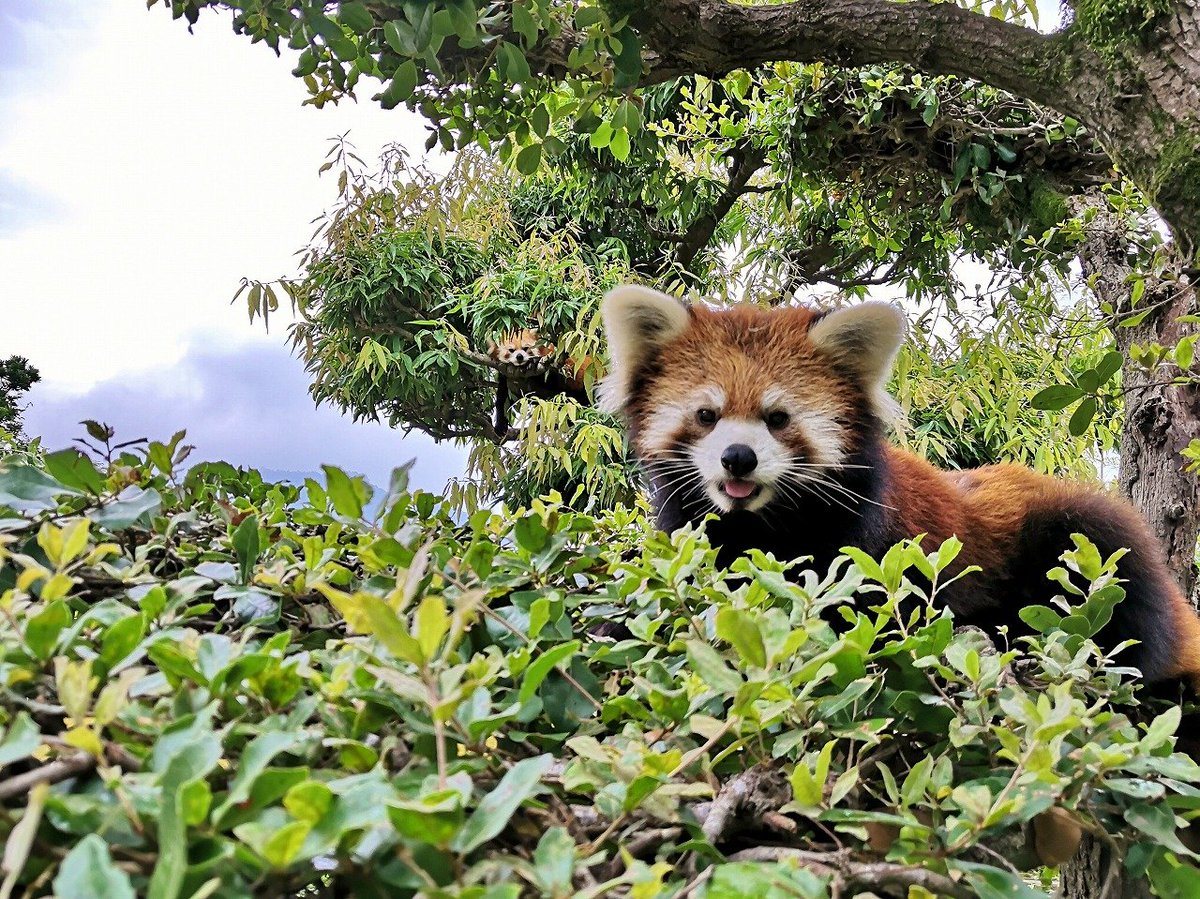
(774, 420)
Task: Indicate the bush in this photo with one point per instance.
(215, 686)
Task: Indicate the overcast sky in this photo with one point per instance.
(143, 172)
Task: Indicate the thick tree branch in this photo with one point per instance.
(714, 37)
(747, 161)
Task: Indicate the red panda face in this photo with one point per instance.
(742, 407)
(522, 349)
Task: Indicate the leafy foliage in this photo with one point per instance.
(980, 397)
(16, 377)
(220, 686)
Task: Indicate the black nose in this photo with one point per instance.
(739, 460)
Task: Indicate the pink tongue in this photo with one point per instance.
(739, 489)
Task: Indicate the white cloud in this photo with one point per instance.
(172, 165)
(248, 406)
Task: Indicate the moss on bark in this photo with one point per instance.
(1109, 25)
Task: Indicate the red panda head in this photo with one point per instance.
(522, 349)
(746, 405)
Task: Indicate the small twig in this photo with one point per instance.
(684, 763)
(567, 676)
(32, 705)
(52, 773)
(855, 876)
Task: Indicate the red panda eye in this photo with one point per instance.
(777, 419)
(706, 417)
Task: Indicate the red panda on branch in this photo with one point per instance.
(774, 420)
(534, 371)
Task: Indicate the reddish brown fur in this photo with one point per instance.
(746, 352)
(995, 511)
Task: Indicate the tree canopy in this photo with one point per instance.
(740, 157)
(16, 377)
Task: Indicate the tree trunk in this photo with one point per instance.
(1095, 872)
(1159, 422)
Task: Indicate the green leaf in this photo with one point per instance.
(432, 624)
(1042, 619)
(195, 801)
(541, 667)
(1082, 417)
(29, 489)
(1055, 397)
(995, 883)
(433, 819)
(712, 669)
(401, 38)
(253, 761)
(133, 506)
(193, 761)
(88, 870)
(121, 638)
(22, 738)
(530, 533)
(1158, 822)
(601, 137)
(540, 120)
(308, 801)
(369, 614)
(399, 89)
(246, 546)
(343, 492)
(554, 861)
(628, 61)
(282, 847)
(465, 18)
(513, 66)
(42, 630)
(619, 145)
(587, 16)
(518, 784)
(529, 158)
(356, 17)
(738, 628)
(1109, 366)
(524, 24)
(75, 470)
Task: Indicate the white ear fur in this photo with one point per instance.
(639, 321)
(866, 337)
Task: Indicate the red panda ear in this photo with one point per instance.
(866, 337)
(639, 321)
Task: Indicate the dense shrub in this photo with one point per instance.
(214, 686)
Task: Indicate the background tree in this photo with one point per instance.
(16, 377)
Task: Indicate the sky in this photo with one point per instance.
(143, 172)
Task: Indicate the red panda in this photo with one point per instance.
(536, 373)
(774, 420)
(522, 349)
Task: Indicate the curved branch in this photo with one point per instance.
(714, 37)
